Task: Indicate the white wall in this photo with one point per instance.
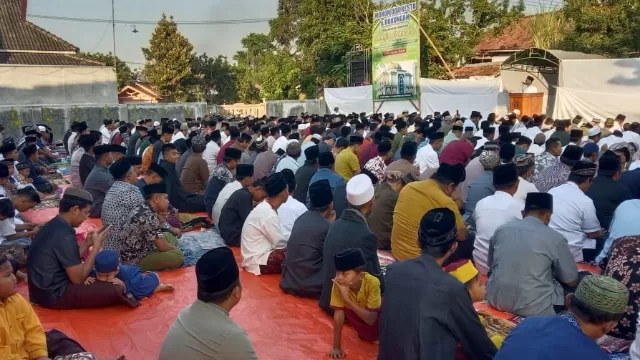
(60, 85)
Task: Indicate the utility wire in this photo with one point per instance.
(153, 22)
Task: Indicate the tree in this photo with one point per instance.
(606, 27)
(255, 48)
(219, 78)
(124, 74)
(446, 24)
(169, 59)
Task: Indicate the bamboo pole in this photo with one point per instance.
(437, 52)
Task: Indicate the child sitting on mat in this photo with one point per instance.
(22, 336)
(466, 273)
(132, 281)
(356, 296)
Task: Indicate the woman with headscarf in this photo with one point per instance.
(195, 172)
(385, 199)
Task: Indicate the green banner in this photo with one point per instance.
(396, 53)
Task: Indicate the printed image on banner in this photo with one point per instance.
(396, 53)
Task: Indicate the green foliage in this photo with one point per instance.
(46, 116)
(169, 59)
(124, 74)
(218, 83)
(308, 43)
(15, 118)
(76, 113)
(446, 24)
(606, 27)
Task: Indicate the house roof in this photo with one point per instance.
(16, 34)
(23, 43)
(482, 69)
(140, 87)
(21, 58)
(515, 36)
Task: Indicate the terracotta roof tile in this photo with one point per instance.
(513, 37)
(16, 34)
(19, 58)
(486, 69)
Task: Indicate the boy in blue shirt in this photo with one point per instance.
(133, 282)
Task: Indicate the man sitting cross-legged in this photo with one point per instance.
(139, 239)
(56, 270)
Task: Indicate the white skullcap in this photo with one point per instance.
(594, 131)
(317, 136)
(156, 123)
(359, 190)
(516, 111)
(42, 128)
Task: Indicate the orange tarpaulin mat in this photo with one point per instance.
(280, 326)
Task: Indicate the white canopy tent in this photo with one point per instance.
(598, 88)
(436, 95)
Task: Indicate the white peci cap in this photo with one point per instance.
(594, 131)
(359, 190)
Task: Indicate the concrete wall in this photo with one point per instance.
(284, 108)
(280, 108)
(22, 85)
(59, 117)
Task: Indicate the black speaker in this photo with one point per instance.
(358, 72)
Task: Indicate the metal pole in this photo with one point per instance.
(437, 52)
(113, 21)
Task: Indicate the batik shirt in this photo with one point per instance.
(222, 172)
(543, 161)
(552, 176)
(120, 199)
(136, 237)
(377, 167)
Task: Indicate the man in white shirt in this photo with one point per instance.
(290, 161)
(107, 131)
(494, 211)
(473, 120)
(180, 133)
(525, 164)
(537, 147)
(210, 154)
(291, 210)
(261, 232)
(488, 134)
(244, 179)
(427, 156)
(282, 141)
(274, 134)
(574, 215)
(527, 86)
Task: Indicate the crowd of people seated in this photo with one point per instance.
(511, 202)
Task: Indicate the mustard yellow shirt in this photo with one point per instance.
(347, 164)
(368, 297)
(21, 335)
(415, 200)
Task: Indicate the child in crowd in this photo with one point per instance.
(22, 336)
(466, 273)
(23, 180)
(356, 296)
(132, 281)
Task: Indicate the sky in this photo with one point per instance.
(220, 39)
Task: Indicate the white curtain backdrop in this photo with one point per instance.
(598, 88)
(355, 99)
(464, 96)
(437, 95)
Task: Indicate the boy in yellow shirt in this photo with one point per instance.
(21, 334)
(466, 273)
(355, 296)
